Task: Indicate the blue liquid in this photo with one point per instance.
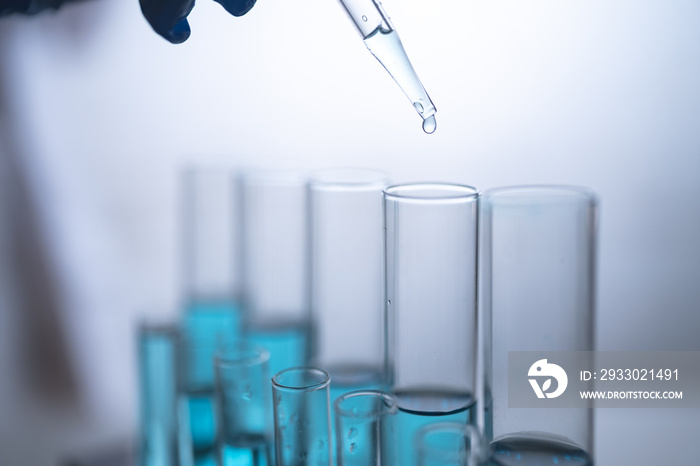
(287, 342)
(420, 408)
(246, 450)
(528, 450)
(212, 320)
(206, 324)
(157, 396)
(197, 428)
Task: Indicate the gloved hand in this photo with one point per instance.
(169, 17)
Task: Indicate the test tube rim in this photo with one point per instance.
(358, 178)
(273, 171)
(467, 430)
(500, 195)
(390, 402)
(322, 384)
(261, 356)
(453, 192)
(157, 325)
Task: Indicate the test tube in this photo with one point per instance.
(449, 444)
(365, 423)
(210, 244)
(244, 398)
(347, 276)
(157, 365)
(537, 295)
(301, 401)
(211, 314)
(275, 261)
(431, 319)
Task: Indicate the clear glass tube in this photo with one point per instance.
(537, 294)
(449, 444)
(301, 401)
(347, 275)
(365, 428)
(211, 315)
(243, 394)
(210, 245)
(431, 319)
(157, 365)
(275, 263)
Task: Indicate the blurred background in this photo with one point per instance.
(98, 115)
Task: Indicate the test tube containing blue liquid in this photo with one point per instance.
(275, 261)
(431, 318)
(157, 346)
(244, 400)
(382, 40)
(211, 316)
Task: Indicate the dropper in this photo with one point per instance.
(383, 41)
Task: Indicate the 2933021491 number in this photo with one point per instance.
(639, 374)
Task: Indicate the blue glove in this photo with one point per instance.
(169, 17)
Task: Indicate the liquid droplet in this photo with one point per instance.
(352, 433)
(364, 18)
(353, 447)
(429, 124)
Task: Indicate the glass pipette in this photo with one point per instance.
(383, 41)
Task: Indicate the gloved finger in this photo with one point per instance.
(237, 7)
(168, 18)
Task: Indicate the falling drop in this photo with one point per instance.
(429, 124)
(364, 18)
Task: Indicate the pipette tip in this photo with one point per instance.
(430, 124)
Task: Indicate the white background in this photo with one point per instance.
(100, 114)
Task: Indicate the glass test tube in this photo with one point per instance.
(431, 319)
(211, 315)
(537, 295)
(157, 363)
(244, 399)
(449, 444)
(347, 275)
(275, 263)
(210, 244)
(301, 401)
(365, 423)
